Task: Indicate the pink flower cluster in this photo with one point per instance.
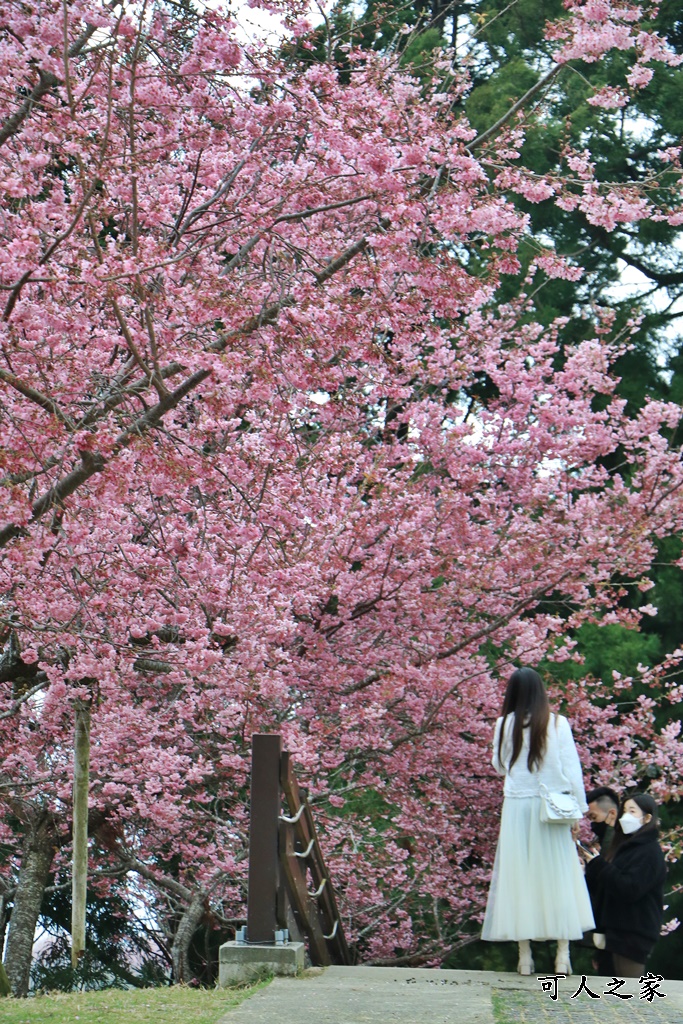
(277, 456)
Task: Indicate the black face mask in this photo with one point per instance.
(599, 827)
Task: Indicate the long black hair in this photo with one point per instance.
(647, 806)
(526, 699)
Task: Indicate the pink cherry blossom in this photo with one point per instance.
(278, 456)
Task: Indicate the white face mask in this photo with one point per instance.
(629, 823)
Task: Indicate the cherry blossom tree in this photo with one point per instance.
(276, 456)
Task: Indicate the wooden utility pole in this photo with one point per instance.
(79, 871)
(264, 874)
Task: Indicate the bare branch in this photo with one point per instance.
(38, 397)
(46, 81)
(16, 704)
(311, 211)
(502, 620)
(341, 261)
(528, 95)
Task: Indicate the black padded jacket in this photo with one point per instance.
(629, 892)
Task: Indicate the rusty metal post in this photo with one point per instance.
(263, 838)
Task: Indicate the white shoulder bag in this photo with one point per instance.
(558, 808)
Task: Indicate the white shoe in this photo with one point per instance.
(562, 964)
(525, 964)
(525, 967)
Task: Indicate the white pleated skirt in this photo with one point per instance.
(537, 889)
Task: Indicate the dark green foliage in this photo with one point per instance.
(120, 952)
(418, 55)
(507, 55)
(667, 594)
(52, 970)
(605, 648)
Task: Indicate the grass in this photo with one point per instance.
(503, 1004)
(175, 1005)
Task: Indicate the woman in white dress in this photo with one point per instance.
(538, 890)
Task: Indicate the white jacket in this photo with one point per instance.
(560, 769)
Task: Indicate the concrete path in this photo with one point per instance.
(382, 995)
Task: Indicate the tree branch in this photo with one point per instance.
(12, 124)
(94, 462)
(502, 620)
(16, 704)
(662, 278)
(46, 81)
(36, 396)
(501, 122)
(337, 264)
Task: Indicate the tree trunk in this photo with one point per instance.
(180, 951)
(79, 871)
(5, 904)
(34, 874)
(5, 987)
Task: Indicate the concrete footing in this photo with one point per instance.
(240, 964)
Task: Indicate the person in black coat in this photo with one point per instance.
(603, 811)
(629, 885)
